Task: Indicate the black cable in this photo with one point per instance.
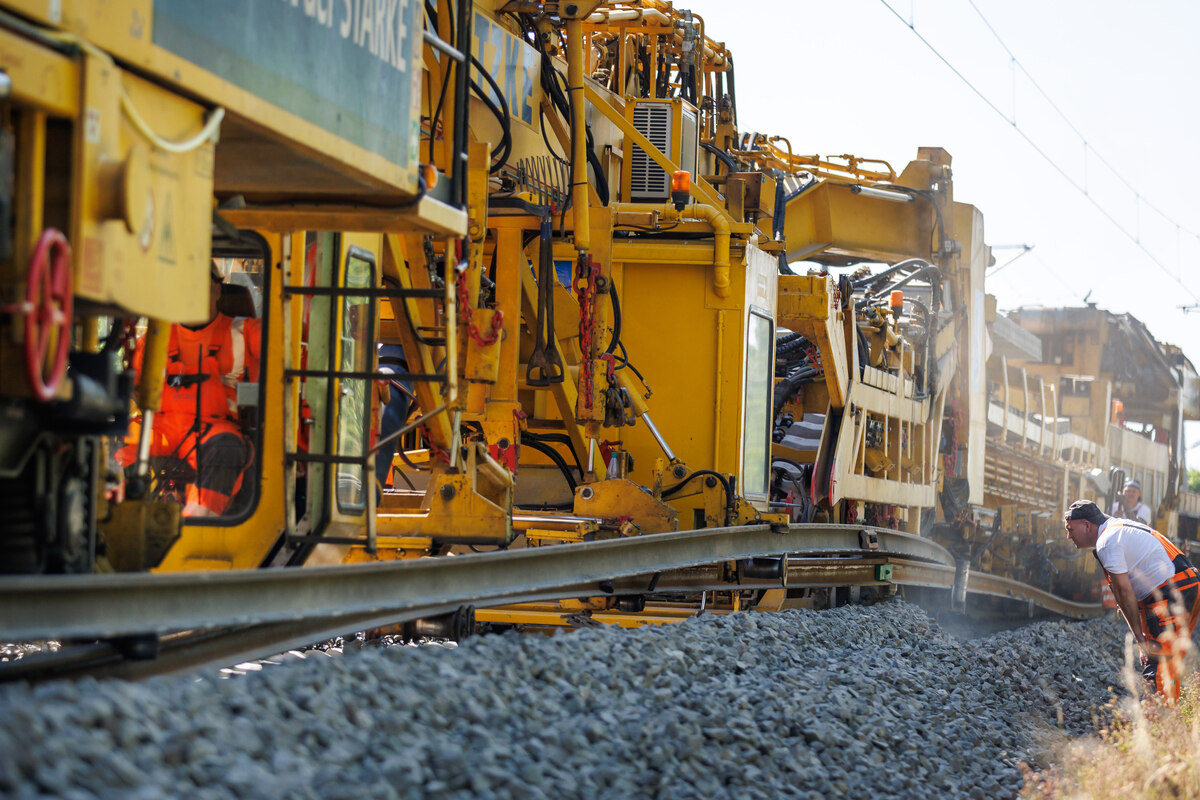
(458, 166)
(926, 270)
(722, 155)
(803, 491)
(553, 455)
(557, 438)
(732, 93)
(786, 388)
(404, 457)
(864, 351)
(623, 362)
(546, 139)
(431, 12)
(644, 229)
(786, 345)
(431, 17)
(534, 39)
(547, 506)
(867, 281)
(405, 477)
(616, 326)
(718, 92)
(663, 80)
(562, 102)
(673, 490)
(601, 182)
(501, 151)
(437, 114)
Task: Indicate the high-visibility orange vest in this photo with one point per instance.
(210, 361)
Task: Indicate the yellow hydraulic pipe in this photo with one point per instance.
(713, 216)
(154, 364)
(579, 179)
(91, 334)
(720, 225)
(150, 386)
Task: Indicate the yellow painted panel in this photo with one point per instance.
(142, 221)
(40, 77)
(830, 216)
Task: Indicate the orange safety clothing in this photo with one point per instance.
(197, 423)
(1169, 615)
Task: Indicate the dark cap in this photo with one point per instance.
(1085, 509)
(1132, 483)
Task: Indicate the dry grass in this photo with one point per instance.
(1148, 750)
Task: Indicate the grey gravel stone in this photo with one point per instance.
(876, 702)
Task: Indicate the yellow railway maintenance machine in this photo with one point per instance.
(152, 149)
(619, 313)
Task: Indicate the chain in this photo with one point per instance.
(610, 362)
(128, 341)
(585, 282)
(466, 316)
(435, 452)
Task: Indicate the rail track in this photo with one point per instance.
(139, 625)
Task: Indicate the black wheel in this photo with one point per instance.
(49, 520)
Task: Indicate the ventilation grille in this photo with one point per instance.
(648, 182)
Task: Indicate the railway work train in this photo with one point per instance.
(524, 262)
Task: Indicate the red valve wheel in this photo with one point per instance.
(50, 307)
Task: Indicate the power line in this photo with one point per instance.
(1082, 189)
(1087, 145)
(1069, 289)
(1024, 248)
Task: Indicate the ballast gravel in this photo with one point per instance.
(857, 701)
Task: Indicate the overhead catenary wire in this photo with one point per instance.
(1062, 115)
(1082, 189)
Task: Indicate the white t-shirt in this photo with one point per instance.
(1124, 547)
(1140, 512)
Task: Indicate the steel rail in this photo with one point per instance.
(937, 576)
(111, 606)
(811, 566)
(222, 647)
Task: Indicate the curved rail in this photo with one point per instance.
(995, 586)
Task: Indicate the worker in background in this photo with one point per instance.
(1129, 505)
(397, 400)
(198, 424)
(1156, 588)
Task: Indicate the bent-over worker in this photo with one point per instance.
(1156, 588)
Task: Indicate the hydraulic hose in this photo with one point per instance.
(553, 455)
(721, 155)
(673, 490)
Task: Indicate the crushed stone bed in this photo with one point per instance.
(876, 701)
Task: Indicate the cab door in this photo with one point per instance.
(333, 463)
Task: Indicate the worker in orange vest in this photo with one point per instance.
(197, 424)
(1156, 587)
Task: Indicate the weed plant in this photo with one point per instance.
(1142, 749)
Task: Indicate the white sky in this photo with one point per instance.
(850, 77)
